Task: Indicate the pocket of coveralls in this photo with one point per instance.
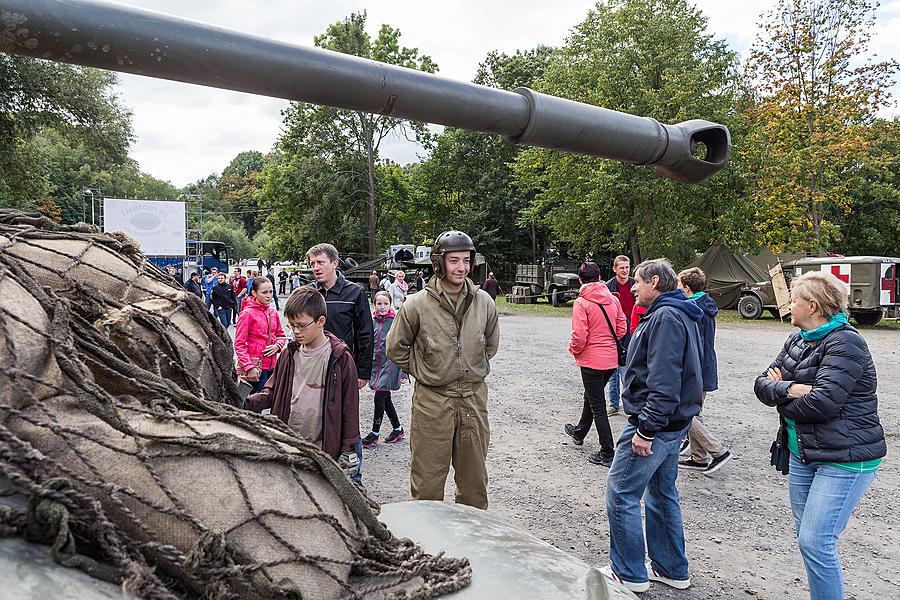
(471, 426)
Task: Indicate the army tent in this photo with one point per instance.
(726, 274)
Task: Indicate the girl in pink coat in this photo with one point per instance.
(594, 349)
(258, 336)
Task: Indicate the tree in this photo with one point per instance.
(45, 106)
(218, 228)
(346, 143)
(238, 186)
(646, 57)
(819, 91)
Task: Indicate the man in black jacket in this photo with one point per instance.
(193, 285)
(661, 390)
(349, 317)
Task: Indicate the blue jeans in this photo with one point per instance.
(822, 499)
(653, 478)
(257, 386)
(224, 315)
(358, 476)
(614, 384)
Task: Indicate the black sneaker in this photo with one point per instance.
(570, 431)
(716, 463)
(692, 465)
(370, 440)
(394, 437)
(599, 459)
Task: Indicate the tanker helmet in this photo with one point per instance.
(450, 241)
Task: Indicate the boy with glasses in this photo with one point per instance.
(313, 388)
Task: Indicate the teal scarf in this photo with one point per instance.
(696, 296)
(821, 331)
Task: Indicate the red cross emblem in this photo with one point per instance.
(836, 271)
(888, 281)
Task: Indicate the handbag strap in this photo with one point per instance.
(608, 322)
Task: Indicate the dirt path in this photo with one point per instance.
(739, 532)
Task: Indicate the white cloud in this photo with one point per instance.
(186, 132)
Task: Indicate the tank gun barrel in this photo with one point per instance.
(121, 38)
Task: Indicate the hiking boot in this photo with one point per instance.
(570, 431)
(716, 463)
(613, 410)
(603, 460)
(692, 465)
(370, 440)
(678, 584)
(634, 586)
(394, 437)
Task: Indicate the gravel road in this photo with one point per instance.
(738, 527)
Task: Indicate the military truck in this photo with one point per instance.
(555, 280)
(874, 287)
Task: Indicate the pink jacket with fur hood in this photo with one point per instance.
(592, 344)
(254, 322)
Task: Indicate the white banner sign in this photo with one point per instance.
(157, 225)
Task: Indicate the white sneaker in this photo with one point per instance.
(631, 585)
(678, 584)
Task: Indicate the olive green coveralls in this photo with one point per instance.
(447, 349)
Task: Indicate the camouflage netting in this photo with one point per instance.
(117, 425)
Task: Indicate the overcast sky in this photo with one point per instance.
(186, 132)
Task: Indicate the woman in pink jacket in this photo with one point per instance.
(594, 349)
(258, 336)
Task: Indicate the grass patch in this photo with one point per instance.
(542, 308)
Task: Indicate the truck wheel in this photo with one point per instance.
(749, 307)
(866, 317)
(554, 297)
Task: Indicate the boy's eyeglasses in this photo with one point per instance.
(301, 326)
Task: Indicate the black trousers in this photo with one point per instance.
(594, 408)
(384, 404)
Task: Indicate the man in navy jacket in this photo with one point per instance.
(661, 391)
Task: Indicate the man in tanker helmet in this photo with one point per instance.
(445, 337)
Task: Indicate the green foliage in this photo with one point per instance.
(217, 228)
(328, 158)
(646, 57)
(60, 126)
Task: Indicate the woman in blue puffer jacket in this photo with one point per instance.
(823, 385)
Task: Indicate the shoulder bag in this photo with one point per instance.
(621, 348)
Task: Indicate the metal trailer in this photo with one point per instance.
(130, 40)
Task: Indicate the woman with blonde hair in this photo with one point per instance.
(823, 385)
(398, 290)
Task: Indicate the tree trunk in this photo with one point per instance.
(370, 201)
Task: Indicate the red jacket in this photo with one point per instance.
(340, 411)
(257, 326)
(592, 343)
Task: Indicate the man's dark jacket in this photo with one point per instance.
(838, 420)
(663, 382)
(223, 296)
(708, 339)
(340, 408)
(193, 287)
(349, 318)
